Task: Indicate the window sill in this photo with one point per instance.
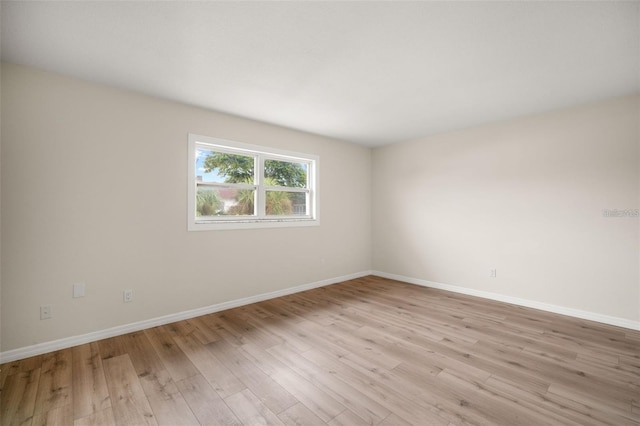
(251, 224)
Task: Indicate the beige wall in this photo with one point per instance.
(94, 190)
(524, 197)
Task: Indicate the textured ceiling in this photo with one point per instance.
(369, 72)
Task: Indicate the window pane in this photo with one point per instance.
(220, 167)
(285, 173)
(284, 203)
(225, 202)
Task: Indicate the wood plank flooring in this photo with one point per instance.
(370, 351)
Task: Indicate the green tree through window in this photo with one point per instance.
(208, 203)
(240, 169)
(234, 168)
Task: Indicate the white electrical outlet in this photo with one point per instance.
(128, 296)
(493, 273)
(45, 312)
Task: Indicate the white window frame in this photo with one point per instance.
(260, 220)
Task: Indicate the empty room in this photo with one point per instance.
(319, 213)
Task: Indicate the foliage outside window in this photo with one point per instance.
(233, 185)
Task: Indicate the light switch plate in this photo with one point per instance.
(78, 290)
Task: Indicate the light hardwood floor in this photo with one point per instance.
(370, 351)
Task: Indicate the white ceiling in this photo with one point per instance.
(368, 72)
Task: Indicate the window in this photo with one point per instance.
(234, 185)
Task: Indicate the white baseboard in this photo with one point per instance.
(68, 342)
(591, 316)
